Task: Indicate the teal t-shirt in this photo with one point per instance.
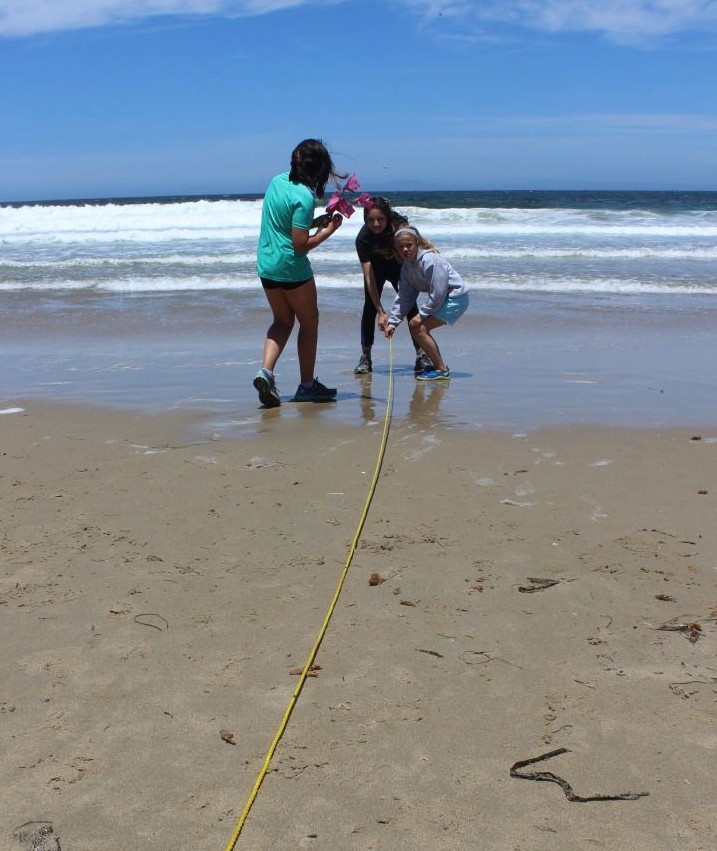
(286, 205)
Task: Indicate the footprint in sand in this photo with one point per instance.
(36, 836)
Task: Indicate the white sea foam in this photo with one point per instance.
(232, 218)
(352, 280)
(129, 222)
(211, 245)
(85, 262)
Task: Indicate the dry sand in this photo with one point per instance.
(157, 588)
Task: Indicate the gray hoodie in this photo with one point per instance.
(429, 273)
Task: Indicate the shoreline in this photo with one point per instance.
(158, 588)
(516, 364)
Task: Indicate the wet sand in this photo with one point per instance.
(161, 578)
(518, 361)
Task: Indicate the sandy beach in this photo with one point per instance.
(537, 570)
(162, 579)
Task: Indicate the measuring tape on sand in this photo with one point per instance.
(324, 626)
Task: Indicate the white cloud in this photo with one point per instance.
(626, 21)
(638, 122)
(26, 17)
(578, 124)
(667, 122)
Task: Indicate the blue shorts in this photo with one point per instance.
(452, 309)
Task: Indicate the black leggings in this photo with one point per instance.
(368, 317)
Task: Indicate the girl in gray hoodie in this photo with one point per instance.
(423, 270)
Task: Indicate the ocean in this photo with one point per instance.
(554, 242)
(93, 291)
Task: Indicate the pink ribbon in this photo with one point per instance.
(339, 204)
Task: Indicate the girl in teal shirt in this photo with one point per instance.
(287, 278)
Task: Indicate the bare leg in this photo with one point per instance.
(280, 329)
(416, 345)
(288, 305)
(411, 313)
(422, 335)
(304, 303)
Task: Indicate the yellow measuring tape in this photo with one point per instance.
(324, 626)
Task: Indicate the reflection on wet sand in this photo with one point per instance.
(423, 404)
(423, 409)
(367, 400)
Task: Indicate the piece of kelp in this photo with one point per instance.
(565, 786)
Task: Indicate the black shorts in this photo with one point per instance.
(268, 284)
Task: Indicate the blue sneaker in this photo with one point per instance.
(434, 375)
(268, 392)
(316, 393)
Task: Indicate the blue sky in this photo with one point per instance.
(163, 97)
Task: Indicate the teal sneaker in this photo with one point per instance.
(316, 393)
(434, 375)
(268, 392)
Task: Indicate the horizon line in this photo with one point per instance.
(208, 196)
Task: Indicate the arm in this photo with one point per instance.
(396, 316)
(303, 242)
(405, 299)
(436, 272)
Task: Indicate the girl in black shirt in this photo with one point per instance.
(374, 246)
